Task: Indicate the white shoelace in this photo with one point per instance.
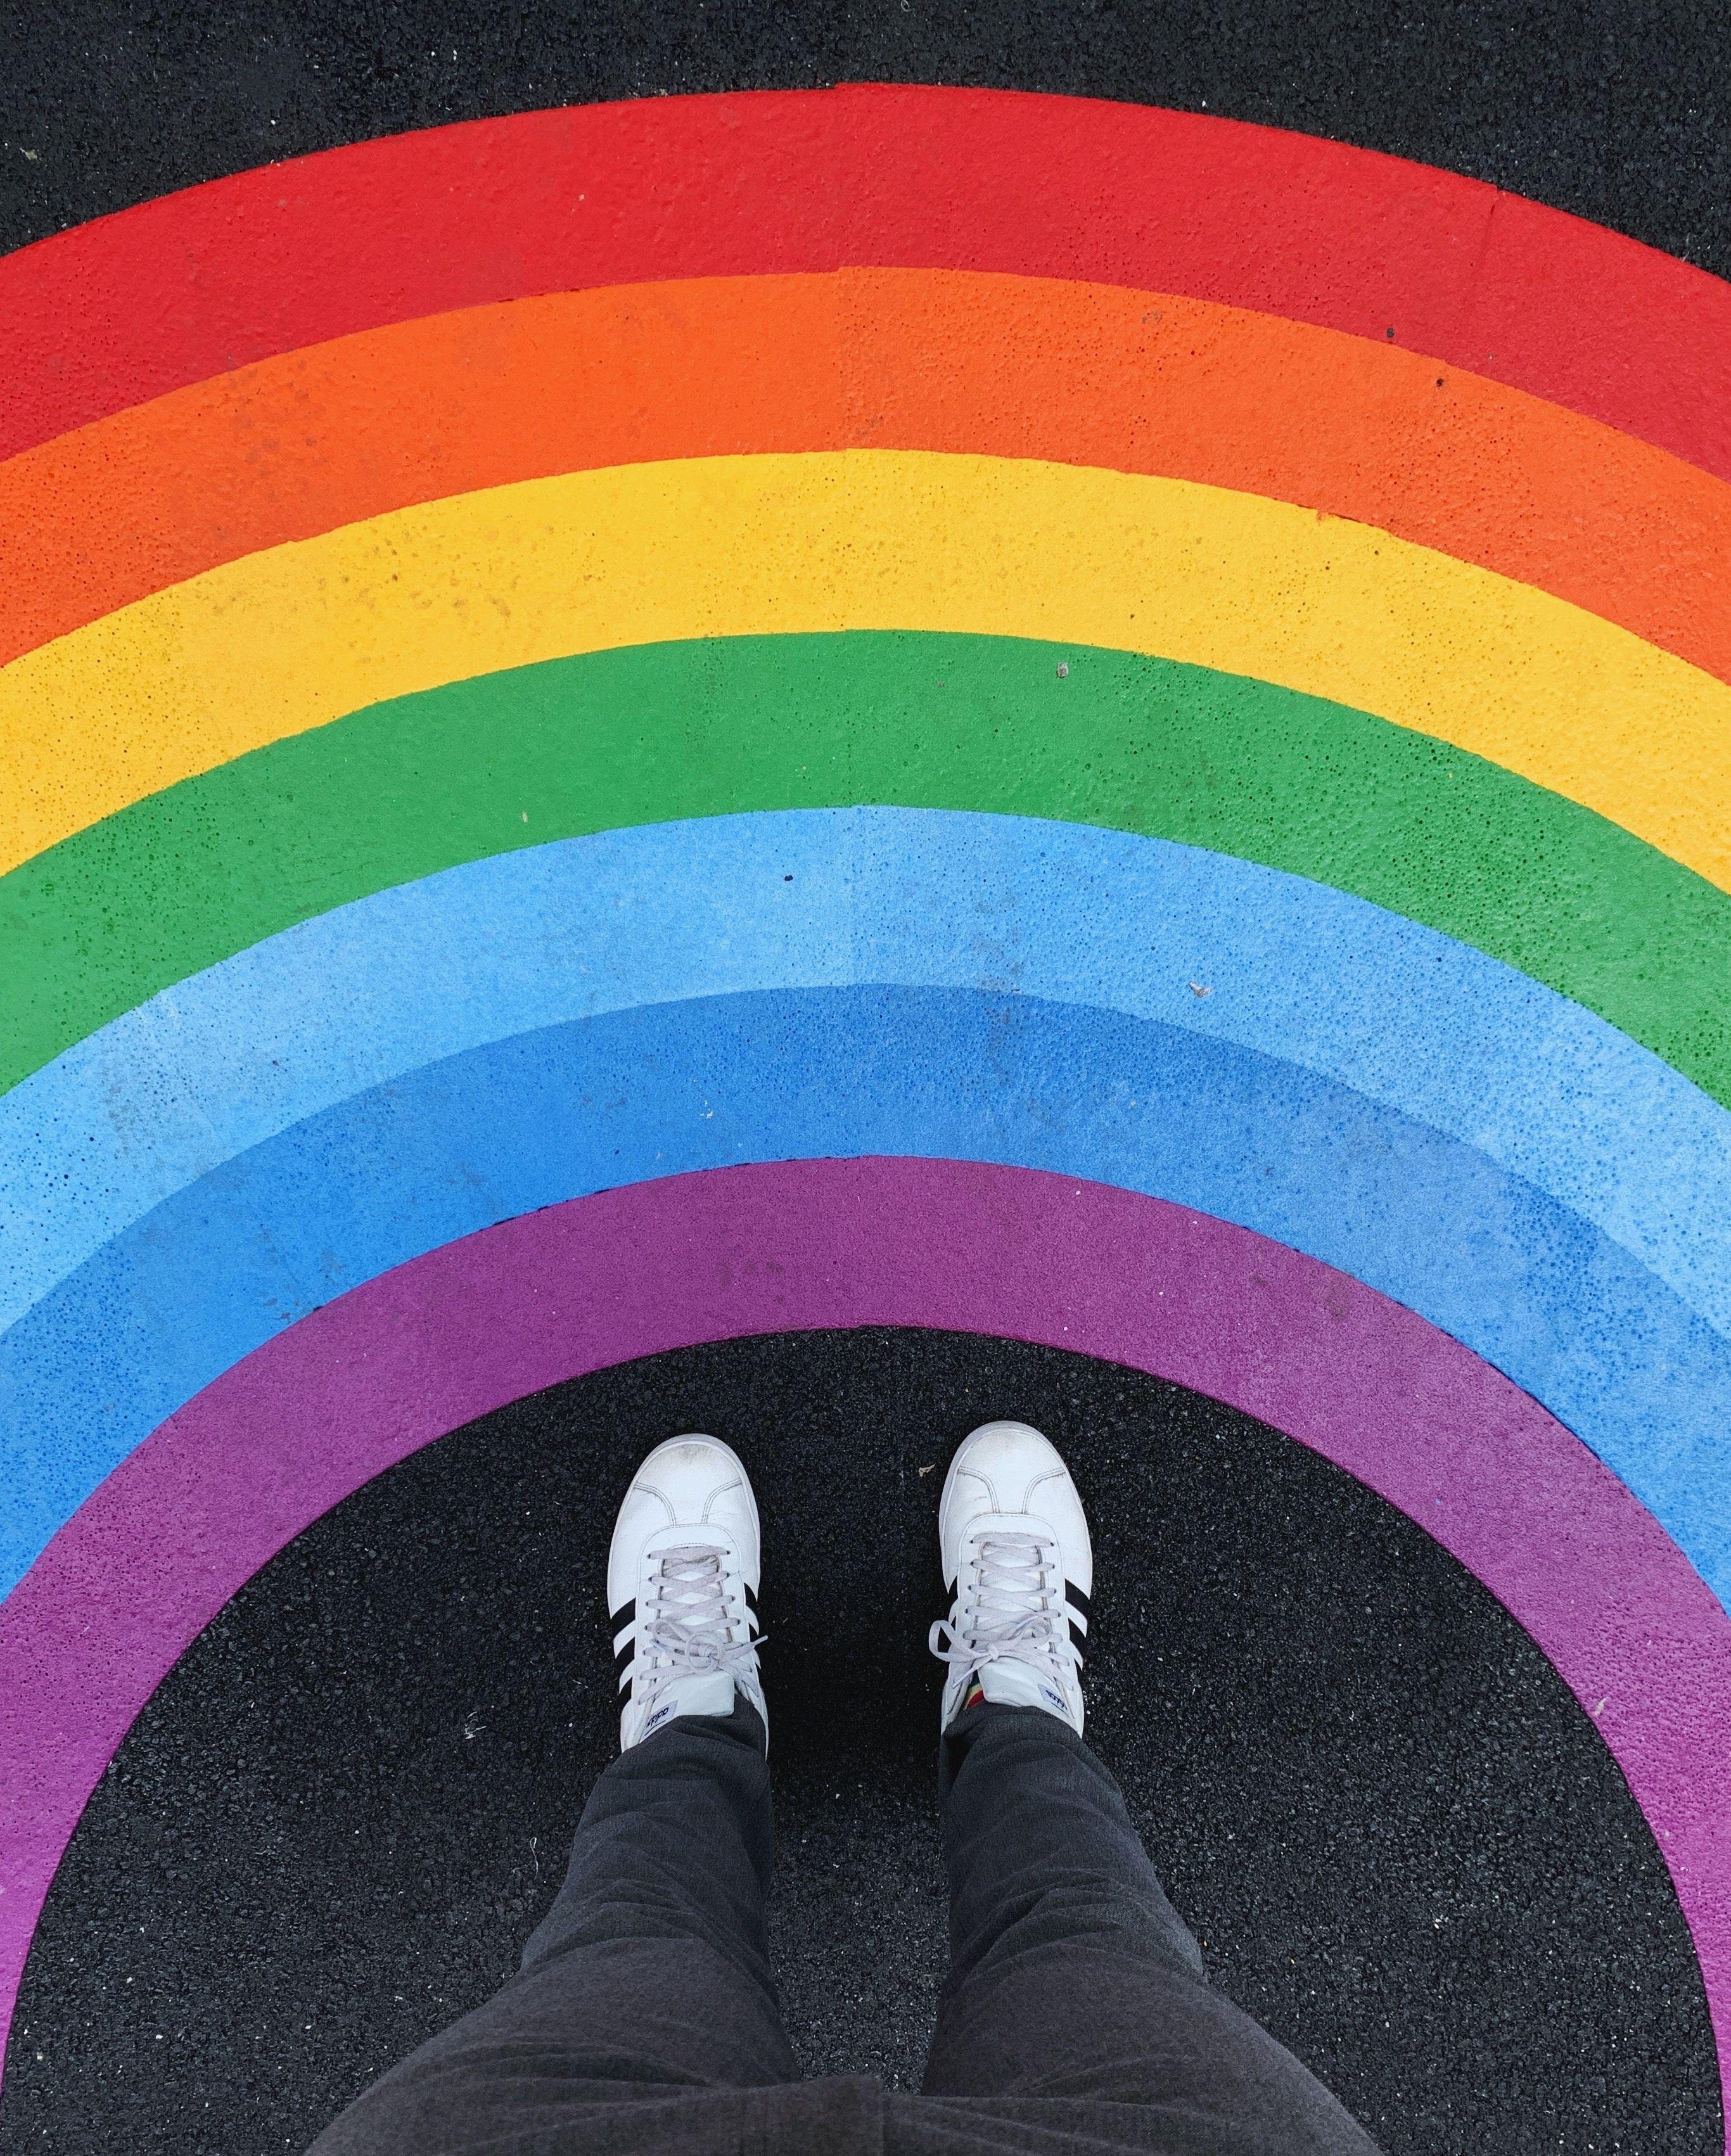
(1016, 1610)
(684, 1627)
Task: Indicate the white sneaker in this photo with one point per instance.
(682, 1586)
(1017, 1559)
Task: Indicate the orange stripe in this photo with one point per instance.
(1006, 366)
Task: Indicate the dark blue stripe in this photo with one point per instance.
(543, 1117)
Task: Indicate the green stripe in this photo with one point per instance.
(403, 789)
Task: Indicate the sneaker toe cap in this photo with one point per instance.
(1000, 1467)
(1008, 1468)
(690, 1482)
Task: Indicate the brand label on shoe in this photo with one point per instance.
(660, 1714)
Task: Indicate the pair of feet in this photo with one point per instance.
(685, 1569)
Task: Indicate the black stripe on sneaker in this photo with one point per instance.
(1077, 1601)
(1078, 1639)
(626, 1613)
(751, 1599)
(622, 1661)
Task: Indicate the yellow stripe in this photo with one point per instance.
(863, 539)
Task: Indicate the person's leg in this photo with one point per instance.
(649, 1978)
(1072, 1976)
(1076, 1997)
(648, 1984)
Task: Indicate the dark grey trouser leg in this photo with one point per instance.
(1073, 1978)
(648, 1983)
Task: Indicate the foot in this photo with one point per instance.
(682, 1586)
(1019, 1568)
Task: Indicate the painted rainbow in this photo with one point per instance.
(638, 725)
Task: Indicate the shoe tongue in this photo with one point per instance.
(1009, 1683)
(710, 1693)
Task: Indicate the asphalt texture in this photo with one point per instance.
(1617, 109)
(1400, 1839)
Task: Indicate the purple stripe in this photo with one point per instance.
(172, 1533)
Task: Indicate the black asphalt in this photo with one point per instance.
(1617, 109)
(1398, 1837)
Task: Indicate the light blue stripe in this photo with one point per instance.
(1411, 1020)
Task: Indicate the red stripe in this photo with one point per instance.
(198, 283)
